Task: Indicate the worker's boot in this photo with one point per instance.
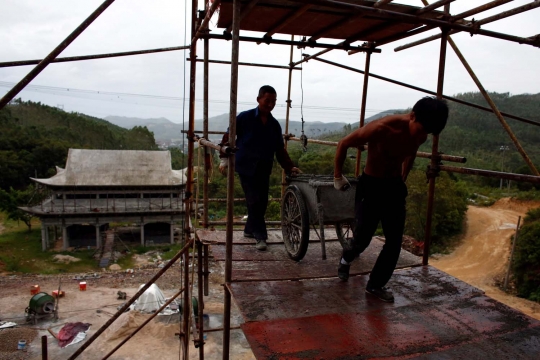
(343, 271)
(261, 245)
(382, 293)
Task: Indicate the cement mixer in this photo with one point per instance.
(41, 305)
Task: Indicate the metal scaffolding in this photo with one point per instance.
(375, 22)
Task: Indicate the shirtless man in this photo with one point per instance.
(381, 191)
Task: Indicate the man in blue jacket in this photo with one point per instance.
(258, 138)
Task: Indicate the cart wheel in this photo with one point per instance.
(344, 232)
(294, 223)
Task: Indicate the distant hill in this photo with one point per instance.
(35, 138)
(166, 131)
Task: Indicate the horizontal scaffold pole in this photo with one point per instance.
(420, 154)
(92, 57)
(341, 46)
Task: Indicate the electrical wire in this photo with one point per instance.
(121, 97)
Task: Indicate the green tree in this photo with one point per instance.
(449, 208)
(526, 262)
(11, 200)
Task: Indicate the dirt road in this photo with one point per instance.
(483, 254)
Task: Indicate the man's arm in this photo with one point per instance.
(358, 138)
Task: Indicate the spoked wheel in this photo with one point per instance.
(344, 232)
(294, 223)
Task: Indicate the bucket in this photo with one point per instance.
(34, 289)
(82, 286)
(21, 345)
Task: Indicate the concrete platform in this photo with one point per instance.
(301, 310)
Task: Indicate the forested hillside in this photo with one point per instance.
(35, 138)
(475, 134)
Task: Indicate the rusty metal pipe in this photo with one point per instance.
(143, 325)
(230, 177)
(435, 5)
(207, 160)
(414, 19)
(238, 199)
(479, 9)
(381, 2)
(47, 60)
(435, 145)
(202, 132)
(494, 107)
(240, 223)
(363, 110)
(487, 20)
(491, 174)
(44, 351)
(91, 57)
(204, 25)
(245, 12)
(341, 46)
(532, 122)
(130, 301)
(200, 295)
(250, 64)
(206, 284)
(287, 111)
(420, 154)
(206, 143)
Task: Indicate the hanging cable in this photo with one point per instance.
(303, 137)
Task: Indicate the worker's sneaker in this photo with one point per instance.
(249, 235)
(261, 245)
(343, 271)
(382, 293)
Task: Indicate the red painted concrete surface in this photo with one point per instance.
(300, 310)
(435, 316)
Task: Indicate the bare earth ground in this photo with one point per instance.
(482, 258)
(157, 340)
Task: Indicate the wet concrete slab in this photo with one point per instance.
(217, 237)
(249, 264)
(435, 316)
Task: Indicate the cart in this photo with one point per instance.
(312, 200)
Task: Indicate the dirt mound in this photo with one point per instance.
(521, 206)
(128, 322)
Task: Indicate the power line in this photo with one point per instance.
(119, 97)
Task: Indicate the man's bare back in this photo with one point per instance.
(392, 145)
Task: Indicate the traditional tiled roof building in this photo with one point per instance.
(98, 187)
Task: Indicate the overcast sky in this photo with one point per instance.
(31, 29)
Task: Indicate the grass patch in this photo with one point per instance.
(20, 252)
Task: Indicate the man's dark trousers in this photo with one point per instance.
(379, 199)
(256, 191)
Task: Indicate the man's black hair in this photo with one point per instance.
(266, 89)
(432, 113)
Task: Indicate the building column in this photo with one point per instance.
(142, 233)
(44, 237)
(65, 237)
(98, 237)
(172, 232)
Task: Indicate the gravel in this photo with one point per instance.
(9, 341)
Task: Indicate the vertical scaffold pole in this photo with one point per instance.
(363, 109)
(207, 164)
(186, 315)
(287, 112)
(230, 178)
(435, 145)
